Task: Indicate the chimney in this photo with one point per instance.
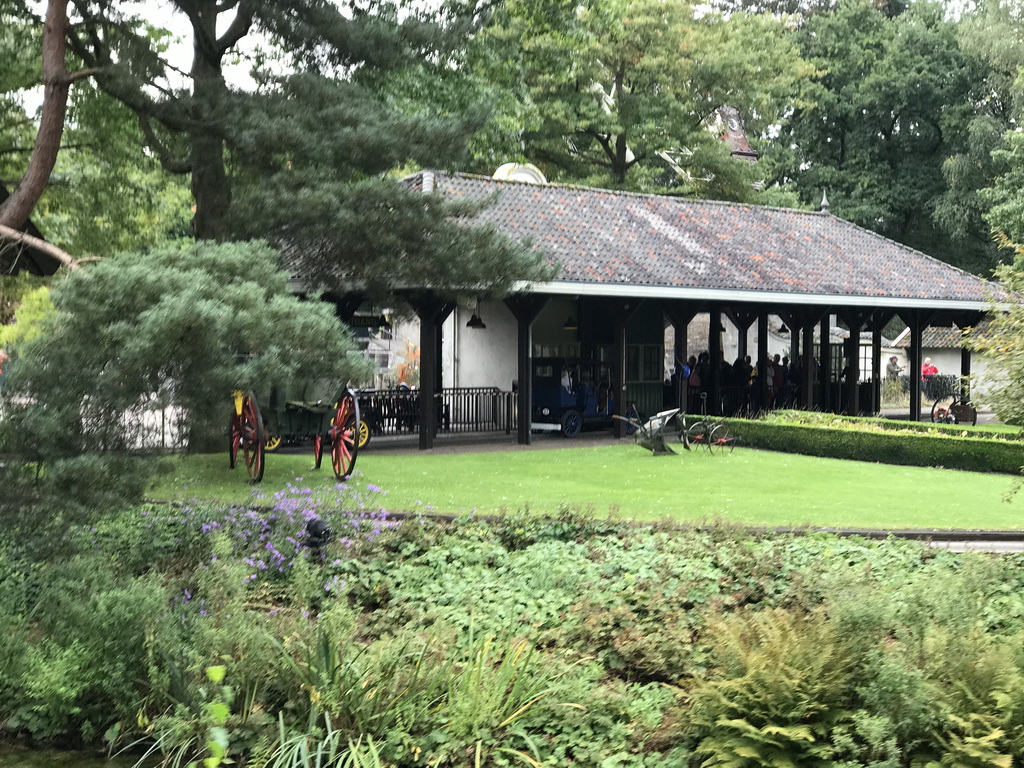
(824, 202)
(428, 182)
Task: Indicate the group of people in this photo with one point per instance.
(740, 381)
(929, 372)
(928, 369)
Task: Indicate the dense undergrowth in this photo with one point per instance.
(203, 633)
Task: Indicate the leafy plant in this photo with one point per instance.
(781, 690)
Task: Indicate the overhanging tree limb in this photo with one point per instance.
(10, 235)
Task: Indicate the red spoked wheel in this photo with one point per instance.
(247, 435)
(720, 440)
(344, 435)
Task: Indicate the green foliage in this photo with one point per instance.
(33, 309)
(937, 448)
(440, 645)
(105, 195)
(1001, 342)
(898, 126)
(781, 693)
(171, 331)
(623, 93)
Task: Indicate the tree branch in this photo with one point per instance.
(238, 29)
(169, 162)
(82, 74)
(10, 235)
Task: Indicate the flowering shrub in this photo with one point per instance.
(269, 539)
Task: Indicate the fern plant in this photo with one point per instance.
(783, 689)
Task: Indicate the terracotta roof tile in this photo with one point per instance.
(624, 238)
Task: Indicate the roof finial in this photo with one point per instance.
(824, 202)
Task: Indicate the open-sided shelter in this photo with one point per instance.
(630, 262)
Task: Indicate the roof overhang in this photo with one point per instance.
(748, 297)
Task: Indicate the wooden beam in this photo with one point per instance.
(762, 362)
(432, 311)
(526, 308)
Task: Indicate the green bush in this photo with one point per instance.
(555, 643)
(932, 449)
(781, 692)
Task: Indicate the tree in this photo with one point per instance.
(289, 159)
(107, 194)
(175, 328)
(281, 160)
(104, 193)
(1001, 339)
(625, 92)
(897, 128)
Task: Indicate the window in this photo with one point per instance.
(644, 363)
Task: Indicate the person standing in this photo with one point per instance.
(928, 374)
(893, 369)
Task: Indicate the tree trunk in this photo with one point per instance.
(210, 187)
(16, 210)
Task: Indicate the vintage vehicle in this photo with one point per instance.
(256, 429)
(570, 395)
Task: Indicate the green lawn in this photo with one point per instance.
(749, 486)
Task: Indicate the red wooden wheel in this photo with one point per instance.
(345, 435)
(247, 435)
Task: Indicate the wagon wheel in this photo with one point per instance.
(721, 441)
(273, 442)
(344, 436)
(364, 434)
(699, 434)
(247, 435)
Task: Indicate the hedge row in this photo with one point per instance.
(923, 450)
(812, 418)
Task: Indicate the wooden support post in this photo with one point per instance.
(825, 362)
(963, 322)
(742, 320)
(432, 312)
(808, 369)
(715, 368)
(914, 364)
(876, 368)
(965, 373)
(762, 362)
(526, 308)
(855, 322)
(680, 316)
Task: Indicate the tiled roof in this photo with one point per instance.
(945, 337)
(618, 239)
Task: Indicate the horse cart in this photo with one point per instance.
(260, 427)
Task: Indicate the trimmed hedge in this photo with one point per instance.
(815, 418)
(977, 454)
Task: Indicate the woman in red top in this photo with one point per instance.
(928, 372)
